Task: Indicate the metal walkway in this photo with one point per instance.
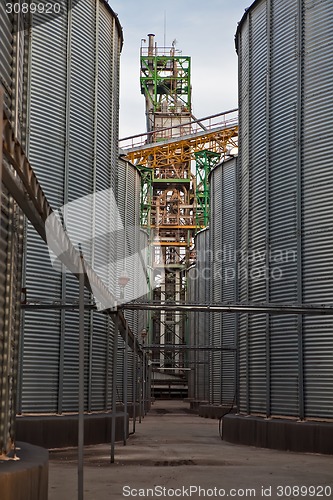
(211, 133)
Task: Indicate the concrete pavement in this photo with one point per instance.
(175, 453)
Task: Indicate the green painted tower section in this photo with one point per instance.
(166, 79)
(205, 161)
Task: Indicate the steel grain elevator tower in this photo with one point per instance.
(167, 206)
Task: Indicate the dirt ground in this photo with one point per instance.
(175, 453)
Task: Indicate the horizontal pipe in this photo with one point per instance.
(235, 308)
(226, 308)
(157, 363)
(56, 306)
(176, 347)
(172, 369)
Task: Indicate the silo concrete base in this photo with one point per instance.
(27, 478)
(61, 431)
(279, 434)
(130, 406)
(214, 411)
(196, 403)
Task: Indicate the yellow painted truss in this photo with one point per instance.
(182, 149)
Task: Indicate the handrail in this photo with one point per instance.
(147, 135)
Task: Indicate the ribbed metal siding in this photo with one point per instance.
(216, 288)
(129, 243)
(73, 128)
(6, 52)
(281, 178)
(46, 146)
(81, 182)
(144, 249)
(317, 198)
(120, 370)
(201, 319)
(13, 68)
(223, 224)
(285, 61)
(11, 237)
(192, 330)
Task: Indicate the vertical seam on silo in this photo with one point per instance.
(114, 381)
(236, 263)
(299, 126)
(65, 201)
(107, 365)
(114, 186)
(25, 83)
(268, 148)
(24, 258)
(239, 208)
(28, 104)
(248, 409)
(6, 373)
(94, 189)
(221, 294)
(17, 321)
(16, 76)
(210, 318)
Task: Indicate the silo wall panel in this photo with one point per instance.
(285, 212)
(223, 288)
(73, 129)
(13, 76)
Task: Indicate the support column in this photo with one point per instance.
(114, 389)
(81, 384)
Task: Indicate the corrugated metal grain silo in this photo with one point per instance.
(13, 74)
(73, 147)
(223, 282)
(285, 54)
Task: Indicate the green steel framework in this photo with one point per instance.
(166, 84)
(205, 161)
(146, 196)
(166, 75)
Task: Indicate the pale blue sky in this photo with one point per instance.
(204, 30)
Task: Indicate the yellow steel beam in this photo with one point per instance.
(170, 243)
(182, 150)
(172, 227)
